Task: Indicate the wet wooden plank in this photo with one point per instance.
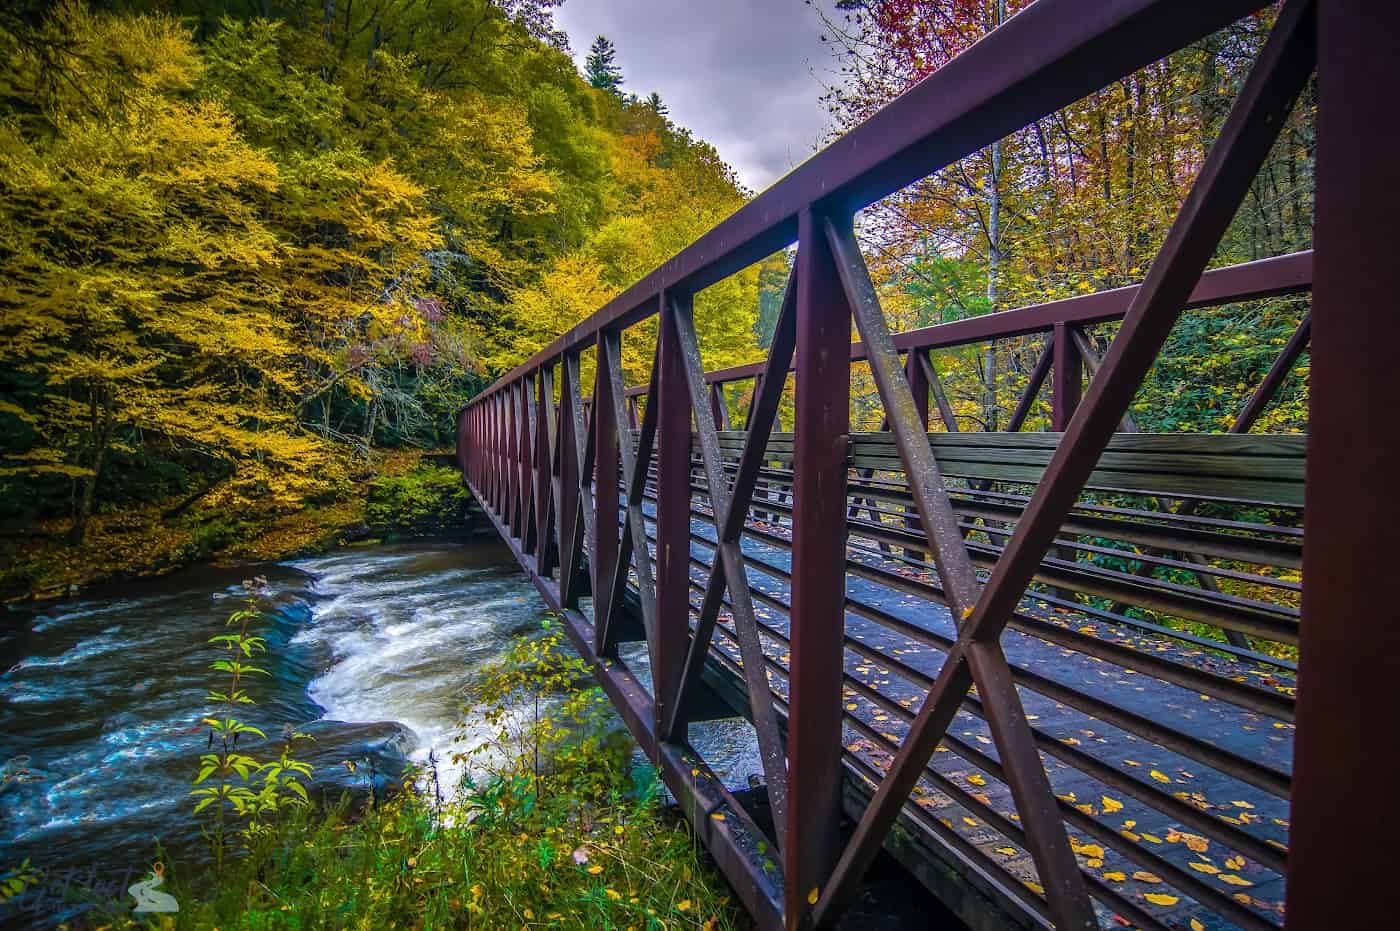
(1132, 833)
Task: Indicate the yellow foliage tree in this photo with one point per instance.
(164, 283)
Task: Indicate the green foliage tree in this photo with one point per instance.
(601, 69)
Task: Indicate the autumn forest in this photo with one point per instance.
(253, 254)
(241, 253)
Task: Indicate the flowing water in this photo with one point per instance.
(372, 650)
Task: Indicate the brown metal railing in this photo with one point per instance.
(1058, 660)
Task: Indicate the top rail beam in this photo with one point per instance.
(1044, 58)
(1285, 274)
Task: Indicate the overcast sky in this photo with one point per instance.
(741, 74)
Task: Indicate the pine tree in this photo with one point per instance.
(602, 71)
(654, 102)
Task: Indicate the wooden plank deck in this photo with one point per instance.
(1170, 753)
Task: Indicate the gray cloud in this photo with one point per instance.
(741, 74)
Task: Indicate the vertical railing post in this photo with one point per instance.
(672, 512)
(607, 473)
(487, 455)
(820, 453)
(509, 437)
(526, 444)
(517, 495)
(513, 456)
(1066, 378)
(544, 446)
(1349, 660)
(761, 487)
(917, 375)
(497, 462)
(502, 456)
(719, 411)
(570, 480)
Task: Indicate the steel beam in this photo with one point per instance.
(673, 417)
(1343, 856)
(820, 445)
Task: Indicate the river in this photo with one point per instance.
(372, 650)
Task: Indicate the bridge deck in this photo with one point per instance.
(1174, 799)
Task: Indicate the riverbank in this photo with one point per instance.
(559, 822)
(564, 826)
(400, 494)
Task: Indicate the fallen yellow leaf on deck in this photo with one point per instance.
(976, 780)
(1114, 876)
(1110, 805)
(1143, 876)
(813, 896)
(1235, 880)
(1157, 898)
(1160, 776)
(1204, 868)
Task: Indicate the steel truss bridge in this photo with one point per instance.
(919, 623)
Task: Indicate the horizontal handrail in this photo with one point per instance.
(1271, 277)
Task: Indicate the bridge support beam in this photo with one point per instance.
(673, 420)
(1068, 377)
(607, 472)
(820, 436)
(1340, 856)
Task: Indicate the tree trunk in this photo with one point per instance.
(100, 431)
(989, 356)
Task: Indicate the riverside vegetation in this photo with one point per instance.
(560, 827)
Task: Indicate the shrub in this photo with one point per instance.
(427, 498)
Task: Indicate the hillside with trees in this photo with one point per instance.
(246, 248)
